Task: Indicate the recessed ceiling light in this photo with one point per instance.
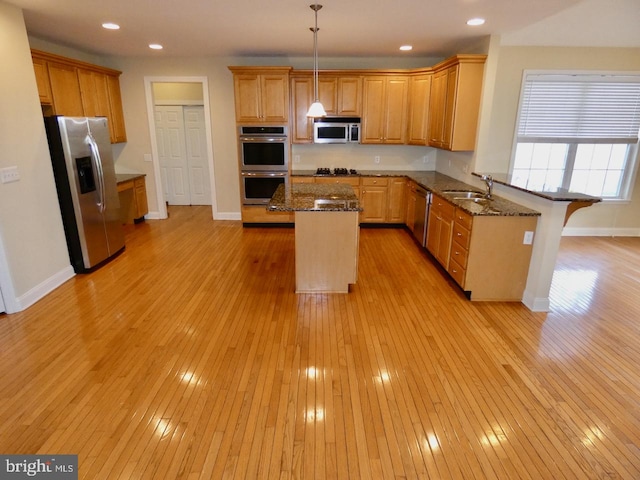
(155, 46)
(474, 22)
(406, 48)
(111, 26)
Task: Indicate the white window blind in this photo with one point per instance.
(566, 108)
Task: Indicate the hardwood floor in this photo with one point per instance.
(190, 356)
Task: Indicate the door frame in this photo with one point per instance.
(148, 89)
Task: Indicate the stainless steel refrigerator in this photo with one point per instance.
(86, 183)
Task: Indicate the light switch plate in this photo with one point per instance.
(9, 174)
(528, 238)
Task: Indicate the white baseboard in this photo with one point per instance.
(600, 232)
(536, 304)
(218, 216)
(44, 288)
(228, 216)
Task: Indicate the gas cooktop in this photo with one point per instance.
(336, 171)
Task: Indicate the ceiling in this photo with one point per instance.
(359, 28)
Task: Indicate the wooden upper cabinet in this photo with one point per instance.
(455, 102)
(301, 99)
(261, 94)
(65, 90)
(74, 88)
(419, 96)
(349, 96)
(327, 93)
(339, 95)
(384, 116)
(116, 119)
(94, 93)
(42, 80)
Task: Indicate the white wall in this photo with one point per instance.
(34, 258)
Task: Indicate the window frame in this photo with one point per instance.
(631, 170)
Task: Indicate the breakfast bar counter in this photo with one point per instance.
(327, 234)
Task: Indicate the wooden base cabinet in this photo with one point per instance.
(497, 260)
(439, 229)
(484, 254)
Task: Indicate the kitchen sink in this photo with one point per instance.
(464, 195)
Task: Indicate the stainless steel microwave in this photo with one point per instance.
(336, 130)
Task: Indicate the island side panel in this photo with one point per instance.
(327, 245)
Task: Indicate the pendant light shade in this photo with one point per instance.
(316, 110)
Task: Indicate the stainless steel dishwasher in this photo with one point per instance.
(421, 218)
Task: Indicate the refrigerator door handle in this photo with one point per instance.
(95, 155)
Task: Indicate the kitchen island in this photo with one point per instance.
(327, 234)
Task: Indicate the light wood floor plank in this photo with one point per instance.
(190, 356)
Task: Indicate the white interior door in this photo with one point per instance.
(197, 161)
(172, 154)
(182, 151)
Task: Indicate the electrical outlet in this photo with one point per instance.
(465, 169)
(528, 238)
(376, 159)
(147, 157)
(9, 174)
(296, 159)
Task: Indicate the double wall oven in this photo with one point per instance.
(264, 161)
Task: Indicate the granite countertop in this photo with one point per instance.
(439, 183)
(125, 177)
(557, 195)
(314, 197)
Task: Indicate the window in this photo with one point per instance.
(578, 132)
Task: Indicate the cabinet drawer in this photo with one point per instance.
(461, 235)
(354, 182)
(459, 254)
(442, 207)
(463, 218)
(457, 272)
(377, 181)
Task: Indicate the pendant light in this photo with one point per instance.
(316, 110)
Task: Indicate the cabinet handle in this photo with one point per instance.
(458, 234)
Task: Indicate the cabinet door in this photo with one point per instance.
(274, 96)
(373, 110)
(116, 115)
(444, 242)
(410, 211)
(328, 94)
(397, 200)
(42, 80)
(437, 109)
(94, 93)
(302, 97)
(449, 106)
(65, 90)
(247, 98)
(373, 201)
(141, 197)
(419, 95)
(395, 126)
(349, 96)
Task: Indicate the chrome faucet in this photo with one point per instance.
(488, 180)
